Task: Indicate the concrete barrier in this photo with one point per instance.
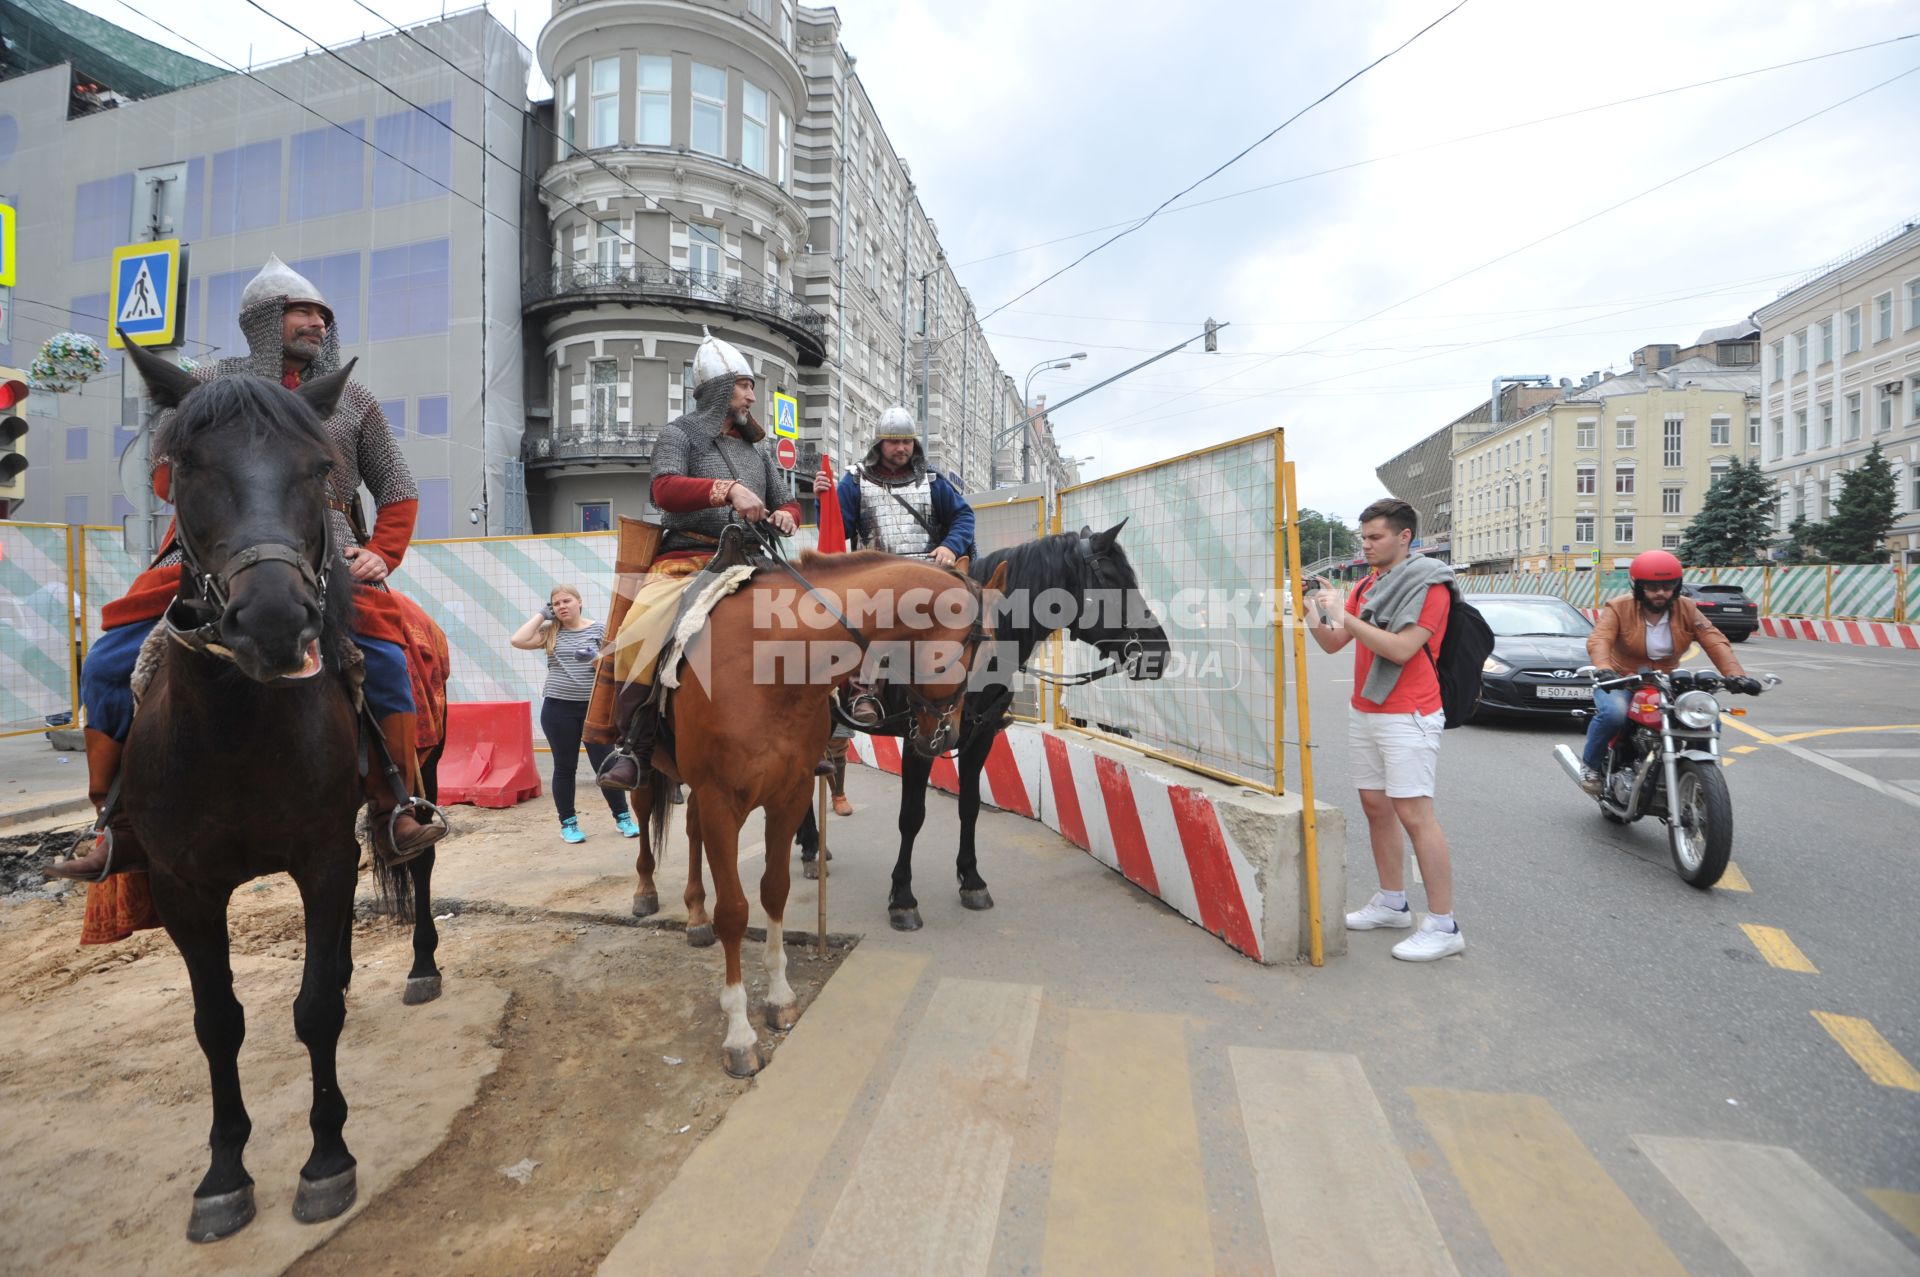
(1228, 859)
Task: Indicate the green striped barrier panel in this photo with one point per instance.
(36, 656)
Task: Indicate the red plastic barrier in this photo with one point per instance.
(488, 760)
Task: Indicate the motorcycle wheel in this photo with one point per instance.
(1700, 828)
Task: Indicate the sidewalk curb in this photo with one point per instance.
(27, 814)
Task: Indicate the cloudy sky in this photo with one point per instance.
(1377, 269)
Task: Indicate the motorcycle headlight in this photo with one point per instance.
(1494, 665)
(1696, 709)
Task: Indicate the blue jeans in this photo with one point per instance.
(1609, 716)
(106, 677)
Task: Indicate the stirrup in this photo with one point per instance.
(435, 819)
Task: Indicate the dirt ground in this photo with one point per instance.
(567, 1037)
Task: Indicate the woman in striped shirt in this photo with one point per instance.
(572, 642)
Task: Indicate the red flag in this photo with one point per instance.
(833, 533)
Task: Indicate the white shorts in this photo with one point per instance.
(1399, 753)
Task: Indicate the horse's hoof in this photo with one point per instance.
(221, 1215)
(701, 937)
(810, 869)
(905, 919)
(421, 988)
(646, 906)
(781, 1019)
(318, 1200)
(744, 1061)
(980, 899)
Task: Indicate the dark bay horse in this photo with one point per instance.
(1080, 582)
(243, 758)
(748, 726)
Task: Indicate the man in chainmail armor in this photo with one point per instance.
(893, 501)
(291, 339)
(708, 469)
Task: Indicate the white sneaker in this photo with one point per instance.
(1429, 943)
(1377, 913)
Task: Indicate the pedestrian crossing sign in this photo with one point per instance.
(148, 284)
(786, 416)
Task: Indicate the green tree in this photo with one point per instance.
(1318, 530)
(1734, 523)
(1863, 515)
(1804, 541)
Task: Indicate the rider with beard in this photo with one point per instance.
(291, 339)
(708, 469)
(1653, 627)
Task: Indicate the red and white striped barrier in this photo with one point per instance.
(1166, 838)
(1857, 633)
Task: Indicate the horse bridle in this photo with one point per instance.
(1131, 648)
(215, 589)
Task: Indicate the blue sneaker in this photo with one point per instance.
(624, 823)
(570, 830)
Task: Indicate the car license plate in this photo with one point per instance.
(1550, 693)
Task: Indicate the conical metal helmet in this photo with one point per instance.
(896, 423)
(277, 279)
(715, 359)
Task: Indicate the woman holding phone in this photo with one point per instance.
(572, 643)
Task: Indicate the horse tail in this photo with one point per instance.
(659, 793)
(393, 890)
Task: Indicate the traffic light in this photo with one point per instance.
(13, 435)
(1213, 338)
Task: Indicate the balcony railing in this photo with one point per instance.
(618, 443)
(588, 284)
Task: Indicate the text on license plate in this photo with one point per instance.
(1564, 693)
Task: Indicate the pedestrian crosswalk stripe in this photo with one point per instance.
(1126, 1192)
(929, 1175)
(1903, 1208)
(1334, 1186)
(1733, 879)
(1779, 1216)
(1778, 948)
(1875, 1055)
(725, 1210)
(1546, 1202)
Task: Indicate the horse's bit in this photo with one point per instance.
(216, 588)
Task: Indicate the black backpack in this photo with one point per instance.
(1463, 651)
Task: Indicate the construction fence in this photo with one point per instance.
(1818, 591)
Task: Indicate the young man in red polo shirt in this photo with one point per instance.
(1397, 619)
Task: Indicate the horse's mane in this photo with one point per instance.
(264, 405)
(1043, 563)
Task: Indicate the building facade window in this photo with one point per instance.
(1623, 529)
(1777, 357)
(603, 394)
(1669, 540)
(606, 246)
(1720, 432)
(1826, 425)
(1584, 480)
(1753, 430)
(1624, 429)
(604, 114)
(1670, 440)
(653, 125)
(1799, 429)
(569, 111)
(1779, 436)
(1853, 416)
(1584, 433)
(1583, 529)
(1826, 341)
(754, 118)
(1913, 303)
(1883, 317)
(594, 516)
(1882, 410)
(703, 253)
(1670, 499)
(1718, 471)
(1800, 351)
(709, 109)
(1623, 479)
(783, 150)
(1853, 329)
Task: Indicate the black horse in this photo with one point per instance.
(244, 757)
(1077, 581)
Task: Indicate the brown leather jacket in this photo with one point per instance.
(1619, 638)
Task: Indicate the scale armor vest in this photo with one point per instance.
(885, 526)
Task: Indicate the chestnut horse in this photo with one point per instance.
(750, 720)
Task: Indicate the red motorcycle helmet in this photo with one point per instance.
(1655, 567)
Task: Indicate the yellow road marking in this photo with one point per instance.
(1547, 1204)
(1126, 1193)
(1733, 879)
(1842, 731)
(1872, 1052)
(1745, 749)
(711, 1214)
(1902, 1208)
(1778, 948)
(1765, 738)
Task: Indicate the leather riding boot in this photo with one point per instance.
(124, 854)
(863, 705)
(631, 762)
(838, 784)
(409, 835)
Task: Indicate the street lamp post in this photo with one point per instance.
(1026, 402)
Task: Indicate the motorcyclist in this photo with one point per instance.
(1651, 628)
